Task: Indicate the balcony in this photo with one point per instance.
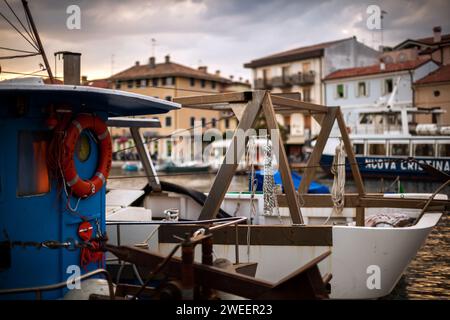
(261, 84)
(281, 82)
(303, 79)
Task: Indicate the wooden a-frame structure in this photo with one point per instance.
(247, 106)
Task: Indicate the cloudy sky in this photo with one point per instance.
(222, 34)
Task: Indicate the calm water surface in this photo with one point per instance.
(428, 276)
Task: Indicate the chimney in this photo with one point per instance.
(218, 73)
(240, 79)
(231, 77)
(167, 59)
(382, 65)
(203, 69)
(437, 34)
(151, 62)
(72, 67)
(136, 63)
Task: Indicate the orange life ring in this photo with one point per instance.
(85, 188)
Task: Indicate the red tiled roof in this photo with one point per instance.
(293, 54)
(429, 41)
(98, 83)
(166, 69)
(376, 69)
(440, 75)
(55, 81)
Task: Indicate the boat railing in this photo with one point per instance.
(52, 287)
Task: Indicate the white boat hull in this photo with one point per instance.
(365, 263)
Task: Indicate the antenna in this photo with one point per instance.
(382, 27)
(153, 46)
(112, 64)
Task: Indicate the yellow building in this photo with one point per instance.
(167, 80)
(433, 91)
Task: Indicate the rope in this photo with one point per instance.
(338, 189)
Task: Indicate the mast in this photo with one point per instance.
(38, 40)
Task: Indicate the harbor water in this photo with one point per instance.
(428, 275)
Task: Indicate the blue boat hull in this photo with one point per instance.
(391, 167)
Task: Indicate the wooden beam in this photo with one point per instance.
(243, 96)
(236, 149)
(354, 200)
(300, 105)
(350, 155)
(268, 235)
(313, 162)
(360, 217)
(285, 171)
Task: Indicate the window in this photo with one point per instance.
(130, 84)
(168, 121)
(203, 83)
(388, 86)
(400, 149)
(424, 150)
(32, 173)
(377, 149)
(163, 81)
(306, 67)
(436, 93)
(213, 84)
(138, 83)
(203, 122)
(155, 82)
(362, 89)
(192, 120)
(148, 82)
(169, 148)
(169, 98)
(118, 85)
(227, 123)
(213, 122)
(340, 91)
(444, 150)
(192, 81)
(173, 80)
(358, 148)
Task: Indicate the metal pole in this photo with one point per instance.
(38, 40)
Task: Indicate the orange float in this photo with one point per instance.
(85, 188)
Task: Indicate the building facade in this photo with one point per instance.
(433, 91)
(375, 86)
(302, 70)
(167, 80)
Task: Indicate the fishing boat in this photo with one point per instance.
(53, 213)
(370, 248)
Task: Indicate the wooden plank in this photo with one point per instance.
(313, 162)
(354, 200)
(276, 235)
(243, 96)
(350, 155)
(296, 104)
(360, 217)
(285, 170)
(227, 170)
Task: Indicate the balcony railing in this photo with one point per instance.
(303, 79)
(284, 81)
(262, 84)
